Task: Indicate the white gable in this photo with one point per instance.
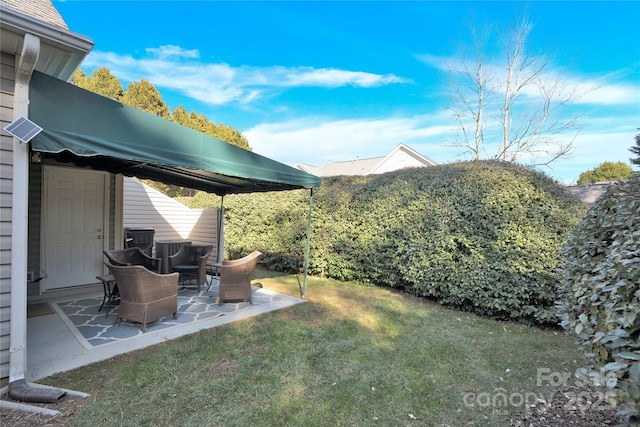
(401, 158)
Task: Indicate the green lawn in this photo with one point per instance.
(350, 356)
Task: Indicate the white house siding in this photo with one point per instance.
(7, 85)
(145, 207)
(399, 160)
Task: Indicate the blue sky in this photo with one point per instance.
(319, 82)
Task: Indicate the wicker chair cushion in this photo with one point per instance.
(186, 268)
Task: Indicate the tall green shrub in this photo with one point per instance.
(273, 223)
(601, 292)
(479, 236)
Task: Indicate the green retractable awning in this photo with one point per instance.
(91, 130)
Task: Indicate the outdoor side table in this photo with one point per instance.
(110, 288)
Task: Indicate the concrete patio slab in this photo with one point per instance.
(53, 348)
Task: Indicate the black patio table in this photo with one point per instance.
(111, 293)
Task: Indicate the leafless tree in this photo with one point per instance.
(510, 109)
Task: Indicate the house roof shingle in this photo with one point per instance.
(589, 193)
(40, 9)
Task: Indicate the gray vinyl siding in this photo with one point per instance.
(145, 207)
(7, 85)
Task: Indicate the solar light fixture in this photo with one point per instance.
(23, 129)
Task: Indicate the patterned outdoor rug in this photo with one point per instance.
(93, 328)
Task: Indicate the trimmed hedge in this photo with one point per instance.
(478, 236)
(601, 292)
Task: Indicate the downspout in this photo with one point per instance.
(303, 291)
(19, 389)
(19, 209)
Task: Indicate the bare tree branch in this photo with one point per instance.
(525, 99)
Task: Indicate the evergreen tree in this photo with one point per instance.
(101, 82)
(145, 96)
(200, 123)
(231, 135)
(636, 150)
(79, 78)
(181, 116)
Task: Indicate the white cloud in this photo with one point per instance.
(175, 68)
(320, 140)
(317, 141)
(608, 93)
(442, 63)
(609, 89)
(328, 77)
(170, 51)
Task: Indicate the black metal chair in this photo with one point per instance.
(191, 262)
(133, 256)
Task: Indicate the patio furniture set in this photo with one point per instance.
(146, 295)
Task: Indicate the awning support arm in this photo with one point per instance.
(220, 250)
(303, 291)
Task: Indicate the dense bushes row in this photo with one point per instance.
(601, 292)
(496, 239)
(478, 236)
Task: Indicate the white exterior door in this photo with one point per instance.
(74, 229)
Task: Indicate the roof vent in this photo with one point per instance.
(23, 129)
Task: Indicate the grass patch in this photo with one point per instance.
(351, 355)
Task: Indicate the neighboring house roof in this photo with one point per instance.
(589, 193)
(401, 157)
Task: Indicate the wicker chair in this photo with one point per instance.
(235, 278)
(133, 256)
(191, 262)
(145, 296)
